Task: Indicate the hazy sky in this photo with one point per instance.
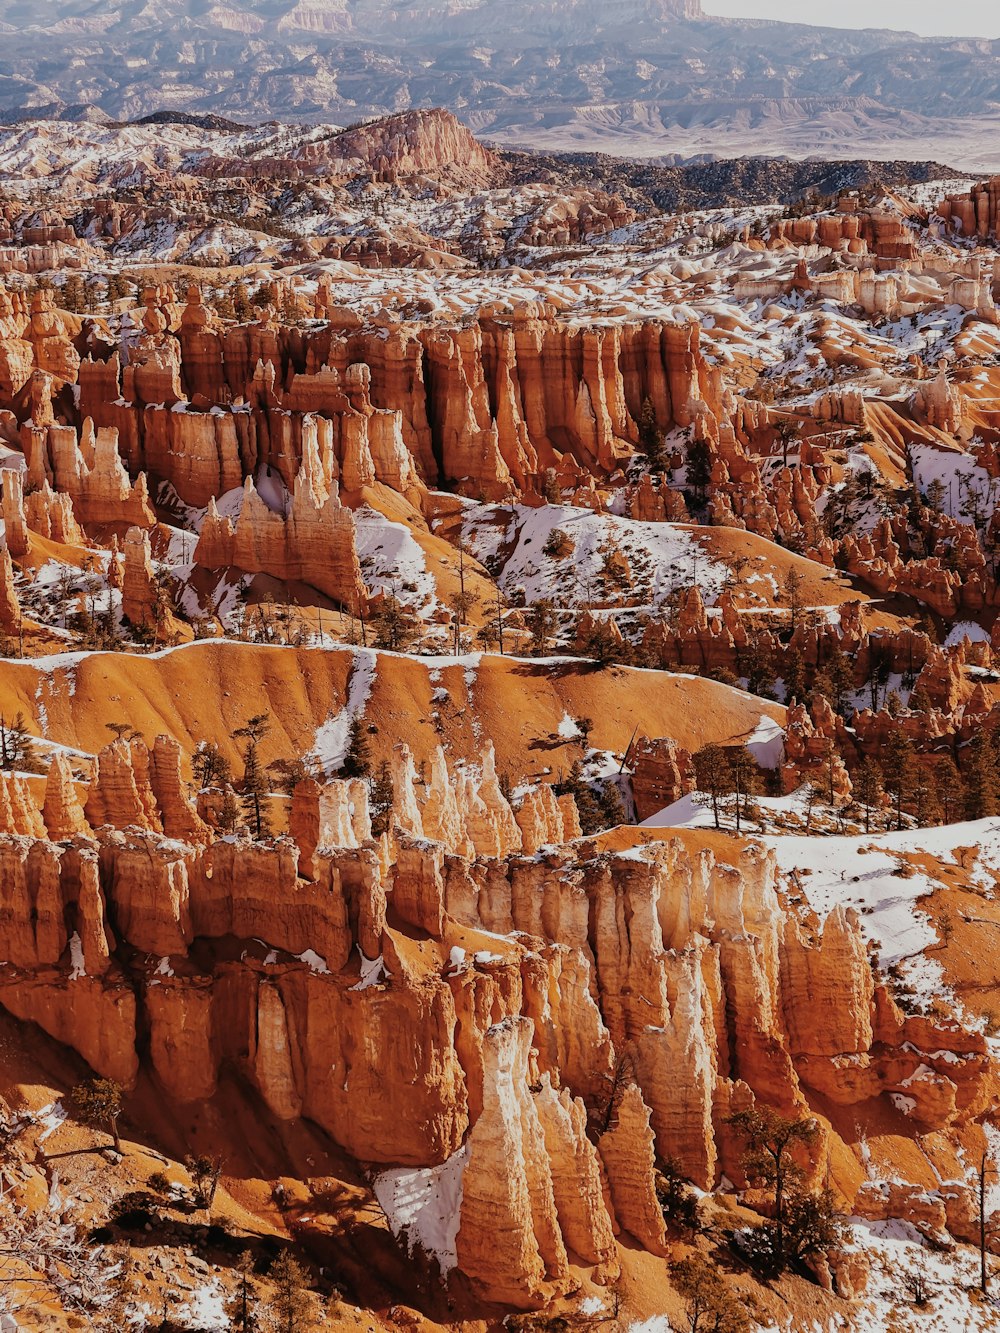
(979, 18)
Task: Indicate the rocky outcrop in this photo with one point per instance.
(329, 815)
(976, 213)
(509, 1243)
(628, 1155)
(426, 1008)
(92, 474)
(139, 594)
(662, 772)
(62, 810)
(313, 543)
(414, 143)
(10, 605)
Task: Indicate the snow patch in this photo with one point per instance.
(373, 972)
(333, 736)
(423, 1206)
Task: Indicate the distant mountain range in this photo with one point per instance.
(646, 77)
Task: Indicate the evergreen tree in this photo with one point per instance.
(868, 788)
(291, 1305)
(745, 779)
(380, 798)
(210, 766)
(836, 679)
(204, 1172)
(541, 624)
(74, 297)
(709, 1304)
(228, 815)
(699, 468)
(98, 1101)
(793, 596)
(771, 1139)
(951, 789)
(794, 675)
(609, 802)
(926, 805)
(357, 759)
(677, 1201)
(713, 776)
(601, 642)
(551, 492)
(651, 438)
(980, 777)
(241, 1306)
(396, 625)
(17, 748)
(897, 769)
(242, 306)
(757, 665)
(786, 431)
(254, 787)
(576, 785)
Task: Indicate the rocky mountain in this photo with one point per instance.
(648, 76)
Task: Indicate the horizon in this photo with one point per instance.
(978, 18)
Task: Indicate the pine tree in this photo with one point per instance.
(291, 1304)
(651, 438)
(228, 815)
(745, 779)
(576, 785)
(786, 431)
(980, 777)
(897, 769)
(396, 625)
(541, 623)
(380, 798)
(357, 759)
(712, 770)
(210, 766)
(794, 675)
(926, 806)
(611, 806)
(255, 791)
(771, 1139)
(793, 596)
(868, 788)
(241, 1306)
(17, 748)
(699, 467)
(98, 1101)
(73, 294)
(836, 679)
(242, 307)
(951, 789)
(710, 1306)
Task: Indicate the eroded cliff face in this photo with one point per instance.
(488, 405)
(545, 1027)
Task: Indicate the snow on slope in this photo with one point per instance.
(661, 556)
(872, 875)
(333, 736)
(392, 561)
(959, 475)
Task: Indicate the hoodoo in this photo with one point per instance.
(499, 698)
